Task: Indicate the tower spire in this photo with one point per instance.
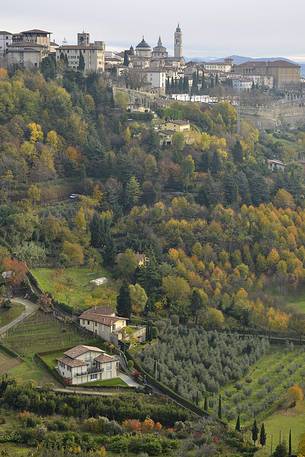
(178, 43)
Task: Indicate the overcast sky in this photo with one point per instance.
(211, 28)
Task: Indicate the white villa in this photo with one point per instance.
(103, 322)
(83, 364)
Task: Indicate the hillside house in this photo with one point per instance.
(83, 364)
(176, 126)
(275, 165)
(103, 322)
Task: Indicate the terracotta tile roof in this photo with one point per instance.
(105, 358)
(104, 310)
(80, 350)
(71, 362)
(105, 320)
(102, 315)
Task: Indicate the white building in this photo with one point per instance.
(83, 364)
(26, 55)
(242, 84)
(92, 53)
(6, 38)
(221, 67)
(103, 322)
(275, 165)
(27, 49)
(156, 80)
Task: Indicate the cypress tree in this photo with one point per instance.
(254, 431)
(124, 302)
(237, 152)
(81, 63)
(263, 436)
(219, 408)
(206, 407)
(237, 426)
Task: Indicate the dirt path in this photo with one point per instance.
(30, 308)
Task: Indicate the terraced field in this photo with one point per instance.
(7, 362)
(40, 333)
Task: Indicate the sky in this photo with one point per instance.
(219, 28)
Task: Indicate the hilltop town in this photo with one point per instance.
(146, 67)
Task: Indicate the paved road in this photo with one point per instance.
(129, 381)
(30, 308)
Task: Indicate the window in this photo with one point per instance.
(109, 366)
(88, 322)
(93, 376)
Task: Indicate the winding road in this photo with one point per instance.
(29, 309)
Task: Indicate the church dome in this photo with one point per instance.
(160, 46)
(143, 45)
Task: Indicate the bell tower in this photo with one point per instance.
(178, 43)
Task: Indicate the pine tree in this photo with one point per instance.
(133, 192)
(124, 302)
(219, 408)
(263, 436)
(237, 426)
(290, 444)
(254, 431)
(206, 406)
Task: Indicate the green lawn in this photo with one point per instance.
(41, 333)
(280, 423)
(72, 286)
(116, 382)
(8, 315)
(258, 393)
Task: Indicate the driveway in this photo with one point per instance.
(129, 381)
(30, 308)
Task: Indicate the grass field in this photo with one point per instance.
(7, 362)
(258, 394)
(41, 333)
(72, 286)
(8, 315)
(279, 424)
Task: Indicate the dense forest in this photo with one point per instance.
(219, 229)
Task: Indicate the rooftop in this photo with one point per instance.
(101, 319)
(103, 310)
(71, 362)
(36, 31)
(82, 47)
(105, 358)
(80, 350)
(3, 32)
(269, 63)
(143, 44)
